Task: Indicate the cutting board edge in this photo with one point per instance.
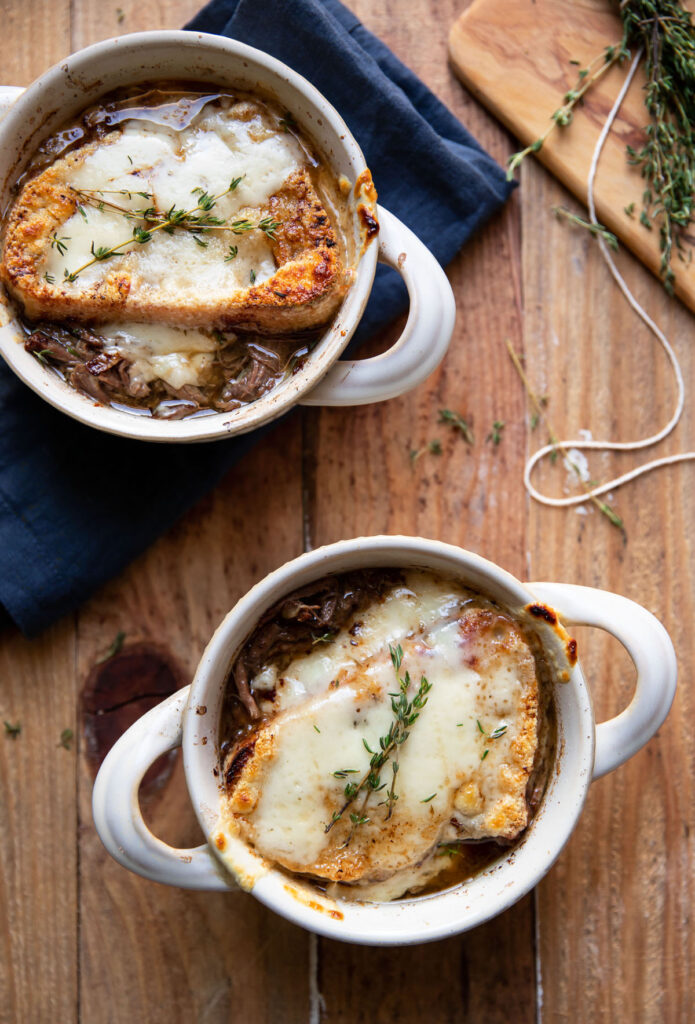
(627, 234)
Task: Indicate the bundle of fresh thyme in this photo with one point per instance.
(406, 712)
(664, 32)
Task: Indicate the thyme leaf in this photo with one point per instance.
(495, 434)
(457, 422)
(66, 738)
(433, 447)
(115, 648)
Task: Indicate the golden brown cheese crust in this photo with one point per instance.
(306, 290)
(495, 804)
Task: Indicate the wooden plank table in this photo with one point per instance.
(607, 935)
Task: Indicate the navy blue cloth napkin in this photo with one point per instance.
(77, 505)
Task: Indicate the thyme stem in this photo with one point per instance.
(563, 116)
(406, 714)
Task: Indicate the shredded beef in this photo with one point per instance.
(301, 619)
(244, 369)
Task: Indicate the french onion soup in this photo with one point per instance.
(385, 733)
(177, 250)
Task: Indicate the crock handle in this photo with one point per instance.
(425, 338)
(649, 646)
(8, 94)
(116, 808)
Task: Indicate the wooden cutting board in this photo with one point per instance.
(514, 55)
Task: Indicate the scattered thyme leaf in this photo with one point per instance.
(317, 728)
(446, 849)
(287, 122)
(268, 226)
(495, 434)
(12, 729)
(252, 276)
(428, 798)
(457, 422)
(100, 253)
(115, 648)
(630, 210)
(65, 740)
(233, 250)
(324, 638)
(59, 243)
(49, 277)
(433, 447)
(490, 736)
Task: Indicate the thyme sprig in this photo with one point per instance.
(597, 230)
(405, 712)
(495, 434)
(433, 447)
(539, 404)
(456, 422)
(197, 220)
(663, 30)
(489, 736)
(586, 77)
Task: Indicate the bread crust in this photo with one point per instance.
(307, 288)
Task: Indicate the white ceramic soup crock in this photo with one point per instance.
(190, 718)
(81, 79)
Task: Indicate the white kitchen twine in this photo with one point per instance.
(616, 446)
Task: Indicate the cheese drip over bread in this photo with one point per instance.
(169, 166)
(85, 241)
(463, 769)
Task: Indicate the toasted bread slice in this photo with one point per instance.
(289, 279)
(463, 771)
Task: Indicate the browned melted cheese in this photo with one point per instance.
(463, 771)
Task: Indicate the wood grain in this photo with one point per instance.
(364, 483)
(618, 901)
(515, 56)
(38, 807)
(606, 936)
